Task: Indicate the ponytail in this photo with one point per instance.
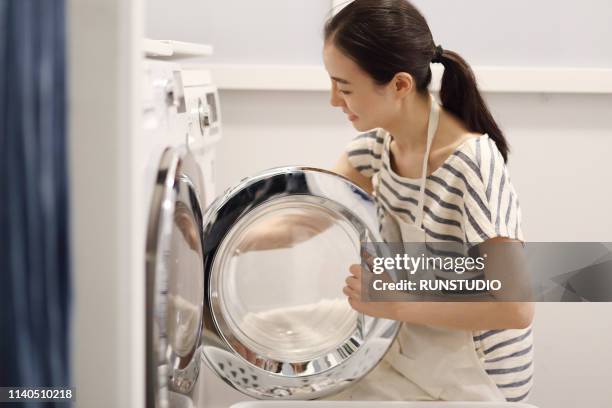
(459, 95)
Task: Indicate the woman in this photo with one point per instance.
(378, 55)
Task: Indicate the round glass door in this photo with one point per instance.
(277, 249)
(281, 273)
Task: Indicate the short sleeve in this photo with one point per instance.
(491, 204)
(365, 152)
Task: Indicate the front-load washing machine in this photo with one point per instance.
(252, 287)
(248, 288)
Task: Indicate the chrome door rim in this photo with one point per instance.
(287, 367)
(165, 368)
(222, 216)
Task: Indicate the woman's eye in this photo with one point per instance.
(344, 92)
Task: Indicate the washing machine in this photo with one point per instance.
(245, 287)
(268, 320)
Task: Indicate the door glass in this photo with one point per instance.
(185, 282)
(281, 274)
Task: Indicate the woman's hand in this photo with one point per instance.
(385, 310)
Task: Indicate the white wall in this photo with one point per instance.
(560, 166)
(515, 33)
(268, 32)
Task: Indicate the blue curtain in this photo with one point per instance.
(35, 288)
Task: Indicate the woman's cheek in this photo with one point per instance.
(352, 106)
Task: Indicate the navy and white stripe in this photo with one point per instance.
(468, 200)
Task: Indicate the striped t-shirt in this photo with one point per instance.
(468, 199)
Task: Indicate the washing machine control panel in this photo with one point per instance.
(204, 116)
(202, 99)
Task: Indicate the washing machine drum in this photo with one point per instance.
(253, 286)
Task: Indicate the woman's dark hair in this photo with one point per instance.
(385, 37)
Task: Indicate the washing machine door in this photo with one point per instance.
(277, 250)
(174, 280)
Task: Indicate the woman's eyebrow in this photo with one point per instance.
(342, 81)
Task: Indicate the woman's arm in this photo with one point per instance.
(346, 169)
(284, 231)
(458, 315)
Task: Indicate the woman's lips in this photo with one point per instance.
(350, 116)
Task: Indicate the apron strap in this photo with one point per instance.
(432, 125)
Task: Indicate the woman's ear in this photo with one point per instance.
(403, 84)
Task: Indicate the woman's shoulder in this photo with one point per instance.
(372, 140)
(481, 156)
(365, 151)
(491, 204)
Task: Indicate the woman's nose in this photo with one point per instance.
(335, 99)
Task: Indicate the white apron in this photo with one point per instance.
(435, 363)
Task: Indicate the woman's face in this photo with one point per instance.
(366, 104)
